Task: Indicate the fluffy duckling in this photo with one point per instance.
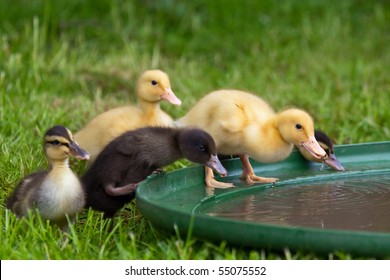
(245, 125)
(56, 192)
(327, 144)
(153, 86)
(112, 179)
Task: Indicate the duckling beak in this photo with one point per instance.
(312, 146)
(169, 96)
(333, 162)
(215, 164)
(77, 152)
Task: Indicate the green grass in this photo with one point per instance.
(63, 62)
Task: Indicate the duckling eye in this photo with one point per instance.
(202, 147)
(56, 142)
(298, 126)
(154, 82)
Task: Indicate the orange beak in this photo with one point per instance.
(169, 96)
(312, 146)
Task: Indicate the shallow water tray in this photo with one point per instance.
(311, 207)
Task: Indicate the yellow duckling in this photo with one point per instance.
(56, 192)
(152, 87)
(245, 125)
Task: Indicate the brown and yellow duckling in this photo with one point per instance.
(153, 86)
(111, 180)
(244, 124)
(327, 144)
(56, 192)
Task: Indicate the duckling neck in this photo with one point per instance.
(267, 144)
(59, 164)
(168, 151)
(149, 108)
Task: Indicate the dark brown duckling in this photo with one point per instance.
(56, 192)
(111, 180)
(327, 144)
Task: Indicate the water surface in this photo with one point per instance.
(358, 203)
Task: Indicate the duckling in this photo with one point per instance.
(111, 180)
(153, 86)
(56, 192)
(244, 124)
(327, 144)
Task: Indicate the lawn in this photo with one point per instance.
(63, 62)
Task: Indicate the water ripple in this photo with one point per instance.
(359, 203)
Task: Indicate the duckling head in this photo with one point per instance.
(327, 144)
(59, 145)
(154, 86)
(296, 127)
(198, 146)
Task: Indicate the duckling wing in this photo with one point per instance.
(25, 193)
(105, 127)
(121, 162)
(128, 144)
(111, 124)
(226, 115)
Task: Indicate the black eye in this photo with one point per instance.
(298, 126)
(154, 83)
(202, 147)
(58, 143)
(55, 142)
